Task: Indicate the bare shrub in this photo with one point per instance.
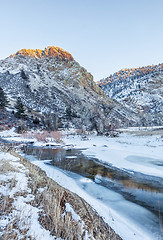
(44, 136)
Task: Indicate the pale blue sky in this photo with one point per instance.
(104, 36)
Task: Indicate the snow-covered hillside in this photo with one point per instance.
(139, 89)
(53, 84)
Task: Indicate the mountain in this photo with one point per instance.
(140, 90)
(61, 93)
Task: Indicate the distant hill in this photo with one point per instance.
(140, 90)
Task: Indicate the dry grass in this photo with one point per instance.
(6, 205)
(6, 167)
(11, 231)
(52, 201)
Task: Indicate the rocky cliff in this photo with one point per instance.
(51, 83)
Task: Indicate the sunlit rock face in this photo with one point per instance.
(54, 52)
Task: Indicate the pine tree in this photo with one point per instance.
(69, 112)
(20, 108)
(23, 74)
(3, 99)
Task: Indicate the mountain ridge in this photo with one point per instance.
(130, 73)
(63, 92)
(139, 89)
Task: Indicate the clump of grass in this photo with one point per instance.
(52, 217)
(10, 233)
(5, 205)
(6, 167)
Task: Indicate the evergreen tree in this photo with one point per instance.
(20, 113)
(69, 112)
(3, 99)
(23, 75)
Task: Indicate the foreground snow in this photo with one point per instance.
(19, 214)
(23, 212)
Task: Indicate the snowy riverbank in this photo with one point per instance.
(33, 206)
(129, 153)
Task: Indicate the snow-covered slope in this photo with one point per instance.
(139, 89)
(53, 84)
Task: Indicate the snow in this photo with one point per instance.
(19, 177)
(29, 217)
(9, 133)
(130, 129)
(127, 152)
(75, 216)
(44, 144)
(71, 157)
(21, 184)
(4, 156)
(23, 211)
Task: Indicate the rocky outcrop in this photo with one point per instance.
(54, 52)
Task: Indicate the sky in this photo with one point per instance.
(104, 36)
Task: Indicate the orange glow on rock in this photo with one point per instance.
(52, 51)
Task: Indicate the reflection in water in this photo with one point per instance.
(134, 188)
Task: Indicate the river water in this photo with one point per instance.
(127, 191)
